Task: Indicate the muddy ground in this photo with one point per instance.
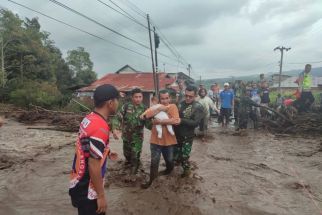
(254, 174)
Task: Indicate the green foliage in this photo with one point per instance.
(42, 94)
(80, 64)
(34, 68)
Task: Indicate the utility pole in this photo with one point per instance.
(153, 68)
(281, 65)
(189, 69)
(156, 46)
(200, 80)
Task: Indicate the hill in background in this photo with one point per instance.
(315, 72)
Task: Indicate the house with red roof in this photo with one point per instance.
(126, 79)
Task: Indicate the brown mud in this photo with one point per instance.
(258, 173)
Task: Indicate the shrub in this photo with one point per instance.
(42, 94)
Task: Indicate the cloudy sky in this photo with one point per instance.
(219, 38)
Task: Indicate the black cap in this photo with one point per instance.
(105, 93)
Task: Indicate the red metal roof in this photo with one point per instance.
(129, 81)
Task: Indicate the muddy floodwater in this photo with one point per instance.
(258, 173)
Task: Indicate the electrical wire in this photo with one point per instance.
(79, 29)
(123, 14)
(98, 23)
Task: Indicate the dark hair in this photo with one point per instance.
(165, 91)
(104, 93)
(135, 91)
(202, 89)
(99, 104)
(192, 88)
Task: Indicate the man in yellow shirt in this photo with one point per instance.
(305, 84)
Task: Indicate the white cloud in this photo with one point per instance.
(219, 38)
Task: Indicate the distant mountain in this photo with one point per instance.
(315, 72)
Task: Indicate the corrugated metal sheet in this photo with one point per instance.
(129, 81)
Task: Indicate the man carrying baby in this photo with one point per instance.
(163, 145)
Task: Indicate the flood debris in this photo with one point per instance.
(57, 120)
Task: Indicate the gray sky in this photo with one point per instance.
(220, 38)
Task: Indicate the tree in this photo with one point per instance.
(32, 68)
(43, 94)
(11, 34)
(80, 64)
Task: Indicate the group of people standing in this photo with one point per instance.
(171, 136)
(184, 116)
(129, 120)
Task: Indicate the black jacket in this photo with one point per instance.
(190, 115)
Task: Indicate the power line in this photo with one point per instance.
(135, 8)
(123, 10)
(168, 43)
(86, 32)
(129, 16)
(163, 38)
(123, 14)
(98, 23)
(79, 29)
(91, 34)
(104, 26)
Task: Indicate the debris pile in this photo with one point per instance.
(297, 123)
(59, 120)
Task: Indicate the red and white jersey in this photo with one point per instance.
(92, 141)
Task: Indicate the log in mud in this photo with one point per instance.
(258, 173)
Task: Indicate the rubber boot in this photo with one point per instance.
(168, 169)
(153, 175)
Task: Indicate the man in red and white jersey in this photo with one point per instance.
(91, 152)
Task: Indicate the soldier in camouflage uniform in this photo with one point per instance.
(240, 109)
(245, 108)
(128, 120)
(191, 113)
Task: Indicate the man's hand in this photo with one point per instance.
(116, 134)
(156, 122)
(113, 156)
(177, 121)
(101, 205)
(162, 108)
(142, 117)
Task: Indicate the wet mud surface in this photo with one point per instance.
(256, 173)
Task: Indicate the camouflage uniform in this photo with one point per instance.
(128, 120)
(246, 110)
(240, 108)
(191, 116)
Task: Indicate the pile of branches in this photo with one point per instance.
(62, 121)
(296, 123)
